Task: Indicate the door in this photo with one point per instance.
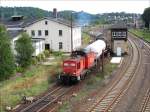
(47, 47)
(118, 51)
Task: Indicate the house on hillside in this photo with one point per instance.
(47, 33)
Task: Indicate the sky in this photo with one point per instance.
(90, 6)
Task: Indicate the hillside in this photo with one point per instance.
(81, 17)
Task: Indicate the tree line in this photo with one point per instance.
(146, 17)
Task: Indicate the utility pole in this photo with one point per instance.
(103, 61)
(71, 34)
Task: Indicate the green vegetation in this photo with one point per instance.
(27, 12)
(24, 50)
(85, 38)
(146, 17)
(145, 34)
(93, 83)
(7, 64)
(32, 82)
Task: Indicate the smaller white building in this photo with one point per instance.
(39, 46)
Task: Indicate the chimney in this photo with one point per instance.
(55, 13)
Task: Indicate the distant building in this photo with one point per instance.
(119, 39)
(96, 35)
(47, 33)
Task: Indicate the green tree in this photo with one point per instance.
(146, 17)
(7, 63)
(24, 50)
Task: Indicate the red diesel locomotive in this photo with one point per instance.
(81, 62)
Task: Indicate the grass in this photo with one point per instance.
(143, 33)
(85, 38)
(91, 85)
(33, 82)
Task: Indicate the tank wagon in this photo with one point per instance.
(82, 61)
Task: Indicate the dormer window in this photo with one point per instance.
(46, 22)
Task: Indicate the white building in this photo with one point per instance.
(56, 33)
(46, 33)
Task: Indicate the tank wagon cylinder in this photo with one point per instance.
(97, 47)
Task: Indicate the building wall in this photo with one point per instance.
(120, 43)
(53, 37)
(13, 44)
(38, 47)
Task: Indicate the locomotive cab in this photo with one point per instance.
(73, 69)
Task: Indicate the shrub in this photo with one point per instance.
(38, 57)
(58, 53)
(47, 53)
(24, 50)
(19, 69)
(34, 61)
(42, 56)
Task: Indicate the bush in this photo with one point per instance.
(34, 61)
(24, 50)
(19, 69)
(58, 53)
(40, 57)
(47, 53)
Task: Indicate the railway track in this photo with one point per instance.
(146, 102)
(113, 95)
(47, 100)
(145, 107)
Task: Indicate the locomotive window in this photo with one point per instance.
(72, 64)
(66, 64)
(78, 66)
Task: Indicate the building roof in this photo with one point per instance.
(119, 26)
(27, 22)
(95, 33)
(16, 27)
(57, 20)
(14, 33)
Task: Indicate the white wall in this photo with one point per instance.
(38, 47)
(13, 44)
(53, 38)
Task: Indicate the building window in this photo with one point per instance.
(113, 33)
(46, 22)
(32, 32)
(46, 32)
(60, 45)
(124, 34)
(60, 32)
(39, 33)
